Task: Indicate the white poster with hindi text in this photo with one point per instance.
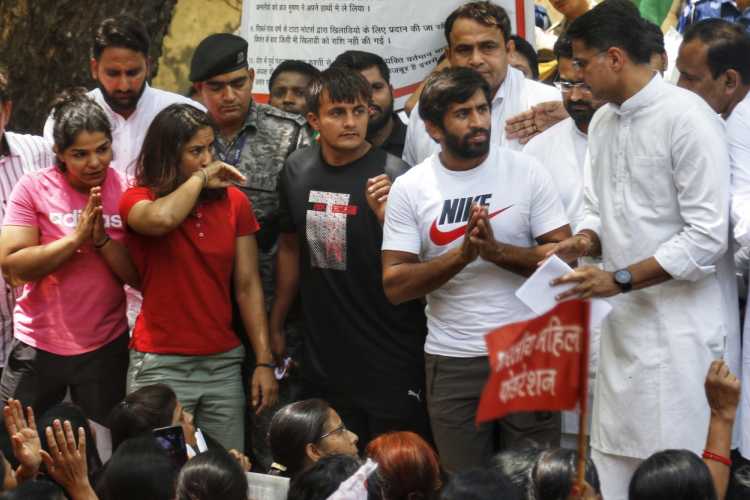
(408, 35)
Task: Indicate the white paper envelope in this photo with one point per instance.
(539, 295)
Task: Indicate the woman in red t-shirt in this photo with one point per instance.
(191, 236)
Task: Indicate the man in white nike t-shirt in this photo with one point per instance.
(464, 228)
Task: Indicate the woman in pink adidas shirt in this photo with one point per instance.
(61, 240)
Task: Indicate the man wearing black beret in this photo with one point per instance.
(256, 139)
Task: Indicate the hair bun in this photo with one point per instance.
(66, 97)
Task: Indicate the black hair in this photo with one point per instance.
(77, 418)
(728, 46)
(73, 112)
(158, 165)
(293, 66)
(450, 86)
(739, 484)
(485, 13)
(36, 490)
(138, 469)
(563, 48)
(213, 474)
(654, 37)
(674, 474)
(4, 90)
(516, 465)
(359, 60)
(524, 48)
(342, 84)
(292, 428)
(553, 473)
(322, 479)
(121, 31)
(479, 484)
(614, 23)
(141, 411)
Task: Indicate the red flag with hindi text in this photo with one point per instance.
(538, 365)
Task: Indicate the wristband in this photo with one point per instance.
(265, 365)
(98, 246)
(717, 458)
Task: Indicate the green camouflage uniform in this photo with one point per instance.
(268, 136)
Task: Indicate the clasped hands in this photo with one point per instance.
(90, 225)
(479, 240)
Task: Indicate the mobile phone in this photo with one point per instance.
(172, 441)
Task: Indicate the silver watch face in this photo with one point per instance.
(623, 277)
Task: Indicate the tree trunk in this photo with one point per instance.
(46, 47)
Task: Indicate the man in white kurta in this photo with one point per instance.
(484, 47)
(713, 62)
(656, 208)
(120, 65)
(561, 149)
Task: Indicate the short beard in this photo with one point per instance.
(116, 104)
(375, 126)
(462, 148)
(581, 117)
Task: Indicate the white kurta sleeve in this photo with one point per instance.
(400, 228)
(700, 163)
(738, 125)
(416, 145)
(591, 219)
(48, 129)
(547, 211)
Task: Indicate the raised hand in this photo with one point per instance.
(24, 438)
(722, 391)
(528, 124)
(66, 460)
(377, 194)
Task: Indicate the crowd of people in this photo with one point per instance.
(207, 286)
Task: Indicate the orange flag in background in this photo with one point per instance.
(538, 365)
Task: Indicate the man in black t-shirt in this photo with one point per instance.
(385, 129)
(362, 354)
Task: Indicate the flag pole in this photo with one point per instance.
(583, 418)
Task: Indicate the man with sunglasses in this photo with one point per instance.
(562, 148)
(656, 208)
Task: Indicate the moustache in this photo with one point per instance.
(477, 132)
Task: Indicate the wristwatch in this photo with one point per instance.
(624, 280)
